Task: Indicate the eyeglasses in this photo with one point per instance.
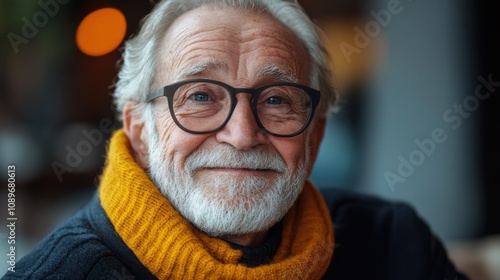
(203, 106)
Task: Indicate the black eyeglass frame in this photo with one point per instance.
(169, 91)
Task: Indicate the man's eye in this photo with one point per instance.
(274, 100)
(201, 97)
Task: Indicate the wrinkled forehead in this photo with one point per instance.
(239, 18)
(221, 35)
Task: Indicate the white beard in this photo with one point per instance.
(224, 205)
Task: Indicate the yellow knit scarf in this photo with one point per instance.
(172, 248)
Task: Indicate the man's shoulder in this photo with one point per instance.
(344, 205)
(374, 236)
(368, 223)
(74, 249)
(372, 218)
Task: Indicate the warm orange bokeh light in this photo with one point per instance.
(101, 31)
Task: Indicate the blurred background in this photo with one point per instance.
(419, 83)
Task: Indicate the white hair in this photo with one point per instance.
(136, 76)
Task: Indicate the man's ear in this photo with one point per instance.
(136, 132)
(315, 139)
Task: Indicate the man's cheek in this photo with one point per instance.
(295, 158)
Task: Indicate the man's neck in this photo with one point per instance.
(250, 239)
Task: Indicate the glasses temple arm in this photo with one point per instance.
(154, 94)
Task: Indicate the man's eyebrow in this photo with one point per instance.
(273, 72)
(200, 69)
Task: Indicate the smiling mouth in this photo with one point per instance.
(237, 170)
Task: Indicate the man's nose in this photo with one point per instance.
(242, 130)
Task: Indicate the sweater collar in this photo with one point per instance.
(253, 256)
(172, 248)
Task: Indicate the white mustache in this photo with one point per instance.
(225, 156)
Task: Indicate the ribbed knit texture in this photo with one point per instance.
(171, 248)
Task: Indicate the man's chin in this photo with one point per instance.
(228, 188)
(239, 214)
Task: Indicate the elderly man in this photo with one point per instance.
(223, 106)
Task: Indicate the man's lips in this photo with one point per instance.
(237, 170)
